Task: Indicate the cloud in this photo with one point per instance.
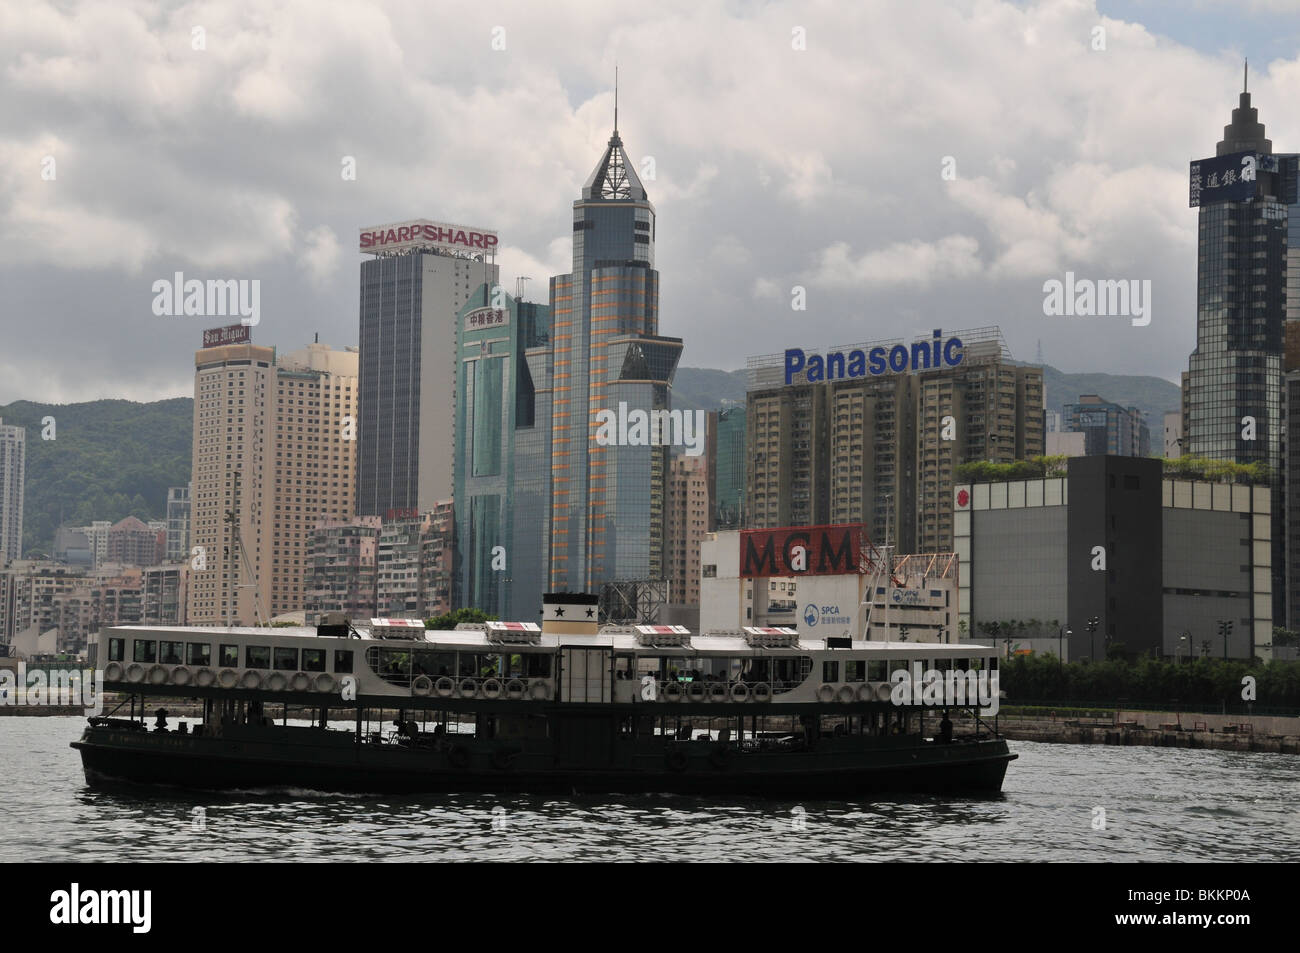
(914, 263)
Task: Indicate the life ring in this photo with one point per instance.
(826, 693)
(135, 672)
(675, 759)
(866, 692)
(458, 757)
(739, 692)
(846, 694)
(491, 688)
(204, 677)
(514, 688)
(228, 678)
(422, 685)
(696, 691)
(301, 682)
(158, 675)
(468, 688)
(113, 672)
(883, 691)
(324, 682)
(762, 692)
(673, 691)
(444, 687)
(540, 691)
(718, 692)
(250, 679)
(181, 675)
(276, 682)
(502, 758)
(721, 757)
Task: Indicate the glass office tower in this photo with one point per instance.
(502, 450)
(607, 502)
(1246, 196)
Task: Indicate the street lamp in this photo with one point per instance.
(1225, 630)
(1092, 637)
(1061, 632)
(1185, 637)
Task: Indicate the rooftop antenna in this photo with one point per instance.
(616, 99)
(1245, 71)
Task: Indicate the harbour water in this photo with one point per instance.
(1059, 803)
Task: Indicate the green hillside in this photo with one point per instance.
(1154, 396)
(109, 459)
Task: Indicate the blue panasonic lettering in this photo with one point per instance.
(793, 363)
(833, 361)
(920, 355)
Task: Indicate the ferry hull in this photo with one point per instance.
(114, 757)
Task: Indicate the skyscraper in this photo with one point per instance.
(178, 524)
(1108, 428)
(272, 444)
(607, 501)
(502, 488)
(1248, 203)
(411, 291)
(13, 456)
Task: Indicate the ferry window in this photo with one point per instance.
(515, 665)
(286, 660)
(623, 667)
(392, 665)
(878, 671)
(943, 664)
(342, 660)
(433, 664)
(963, 664)
(145, 651)
(257, 656)
(539, 666)
(230, 656)
(198, 653)
(171, 653)
(116, 649)
(855, 671)
(830, 671)
(313, 660)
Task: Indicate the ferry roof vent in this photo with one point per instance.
(656, 635)
(514, 632)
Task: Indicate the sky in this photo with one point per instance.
(908, 165)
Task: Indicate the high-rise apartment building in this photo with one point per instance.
(421, 275)
(502, 467)
(13, 456)
(343, 566)
(132, 543)
(608, 496)
(178, 524)
(884, 450)
(1109, 429)
(688, 524)
(273, 444)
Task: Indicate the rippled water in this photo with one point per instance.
(1160, 804)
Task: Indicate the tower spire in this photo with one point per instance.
(616, 99)
(1245, 71)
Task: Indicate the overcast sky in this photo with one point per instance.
(773, 166)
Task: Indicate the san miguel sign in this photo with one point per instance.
(802, 550)
(231, 334)
(422, 233)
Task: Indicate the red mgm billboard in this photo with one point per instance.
(802, 550)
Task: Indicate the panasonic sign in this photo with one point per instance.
(839, 365)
